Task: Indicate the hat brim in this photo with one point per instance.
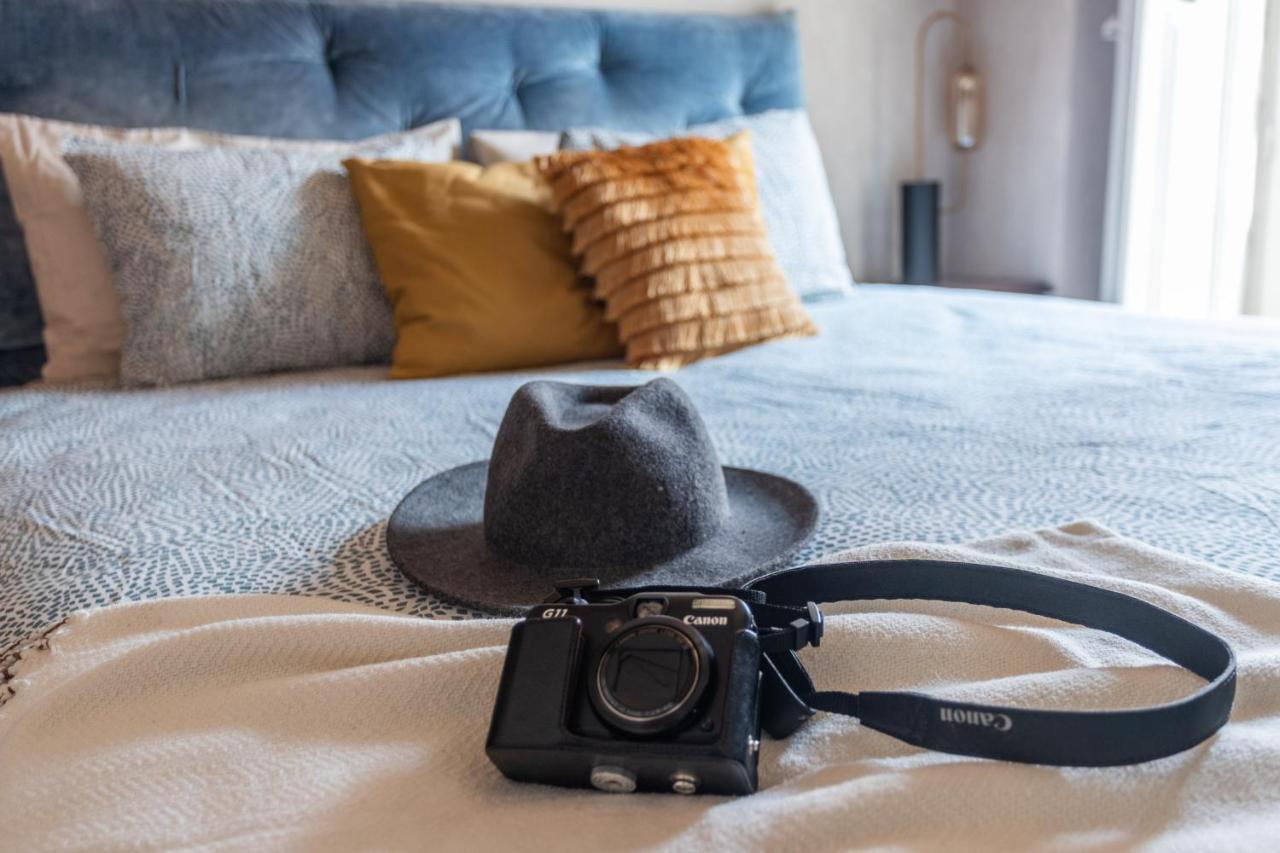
(436, 538)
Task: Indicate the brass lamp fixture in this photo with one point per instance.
(965, 124)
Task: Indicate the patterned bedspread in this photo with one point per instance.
(917, 414)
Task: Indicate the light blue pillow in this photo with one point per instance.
(794, 195)
(236, 261)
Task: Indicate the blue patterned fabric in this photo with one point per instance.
(319, 69)
(916, 414)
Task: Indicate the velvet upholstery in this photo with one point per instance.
(345, 70)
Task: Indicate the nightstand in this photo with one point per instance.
(1001, 285)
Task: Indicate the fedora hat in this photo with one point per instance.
(619, 483)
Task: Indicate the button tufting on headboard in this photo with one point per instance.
(350, 68)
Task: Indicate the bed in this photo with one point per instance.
(916, 413)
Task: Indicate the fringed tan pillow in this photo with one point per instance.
(672, 234)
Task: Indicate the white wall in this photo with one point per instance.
(860, 74)
(1038, 182)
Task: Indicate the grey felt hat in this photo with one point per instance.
(618, 483)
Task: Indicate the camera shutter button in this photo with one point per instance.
(613, 780)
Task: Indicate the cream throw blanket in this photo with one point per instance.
(299, 723)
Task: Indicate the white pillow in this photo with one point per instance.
(488, 147)
(83, 327)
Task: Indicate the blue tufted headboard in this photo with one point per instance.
(334, 69)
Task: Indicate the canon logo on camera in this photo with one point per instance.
(706, 620)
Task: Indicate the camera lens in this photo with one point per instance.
(651, 676)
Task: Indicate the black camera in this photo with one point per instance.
(655, 691)
(669, 690)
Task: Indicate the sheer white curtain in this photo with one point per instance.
(1184, 179)
(1262, 272)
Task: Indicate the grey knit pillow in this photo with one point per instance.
(235, 261)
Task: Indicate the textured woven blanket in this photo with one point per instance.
(916, 414)
(282, 722)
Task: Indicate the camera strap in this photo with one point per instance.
(789, 620)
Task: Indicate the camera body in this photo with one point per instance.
(657, 691)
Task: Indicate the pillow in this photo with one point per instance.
(672, 233)
(235, 261)
(501, 146)
(479, 272)
(83, 327)
(794, 194)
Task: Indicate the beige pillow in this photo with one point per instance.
(83, 327)
(489, 147)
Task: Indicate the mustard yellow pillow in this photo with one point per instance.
(478, 270)
(672, 233)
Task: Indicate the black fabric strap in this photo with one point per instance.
(1072, 738)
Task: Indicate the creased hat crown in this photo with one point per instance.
(602, 476)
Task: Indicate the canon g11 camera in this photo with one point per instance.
(651, 691)
(668, 690)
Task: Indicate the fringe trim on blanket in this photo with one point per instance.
(13, 658)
